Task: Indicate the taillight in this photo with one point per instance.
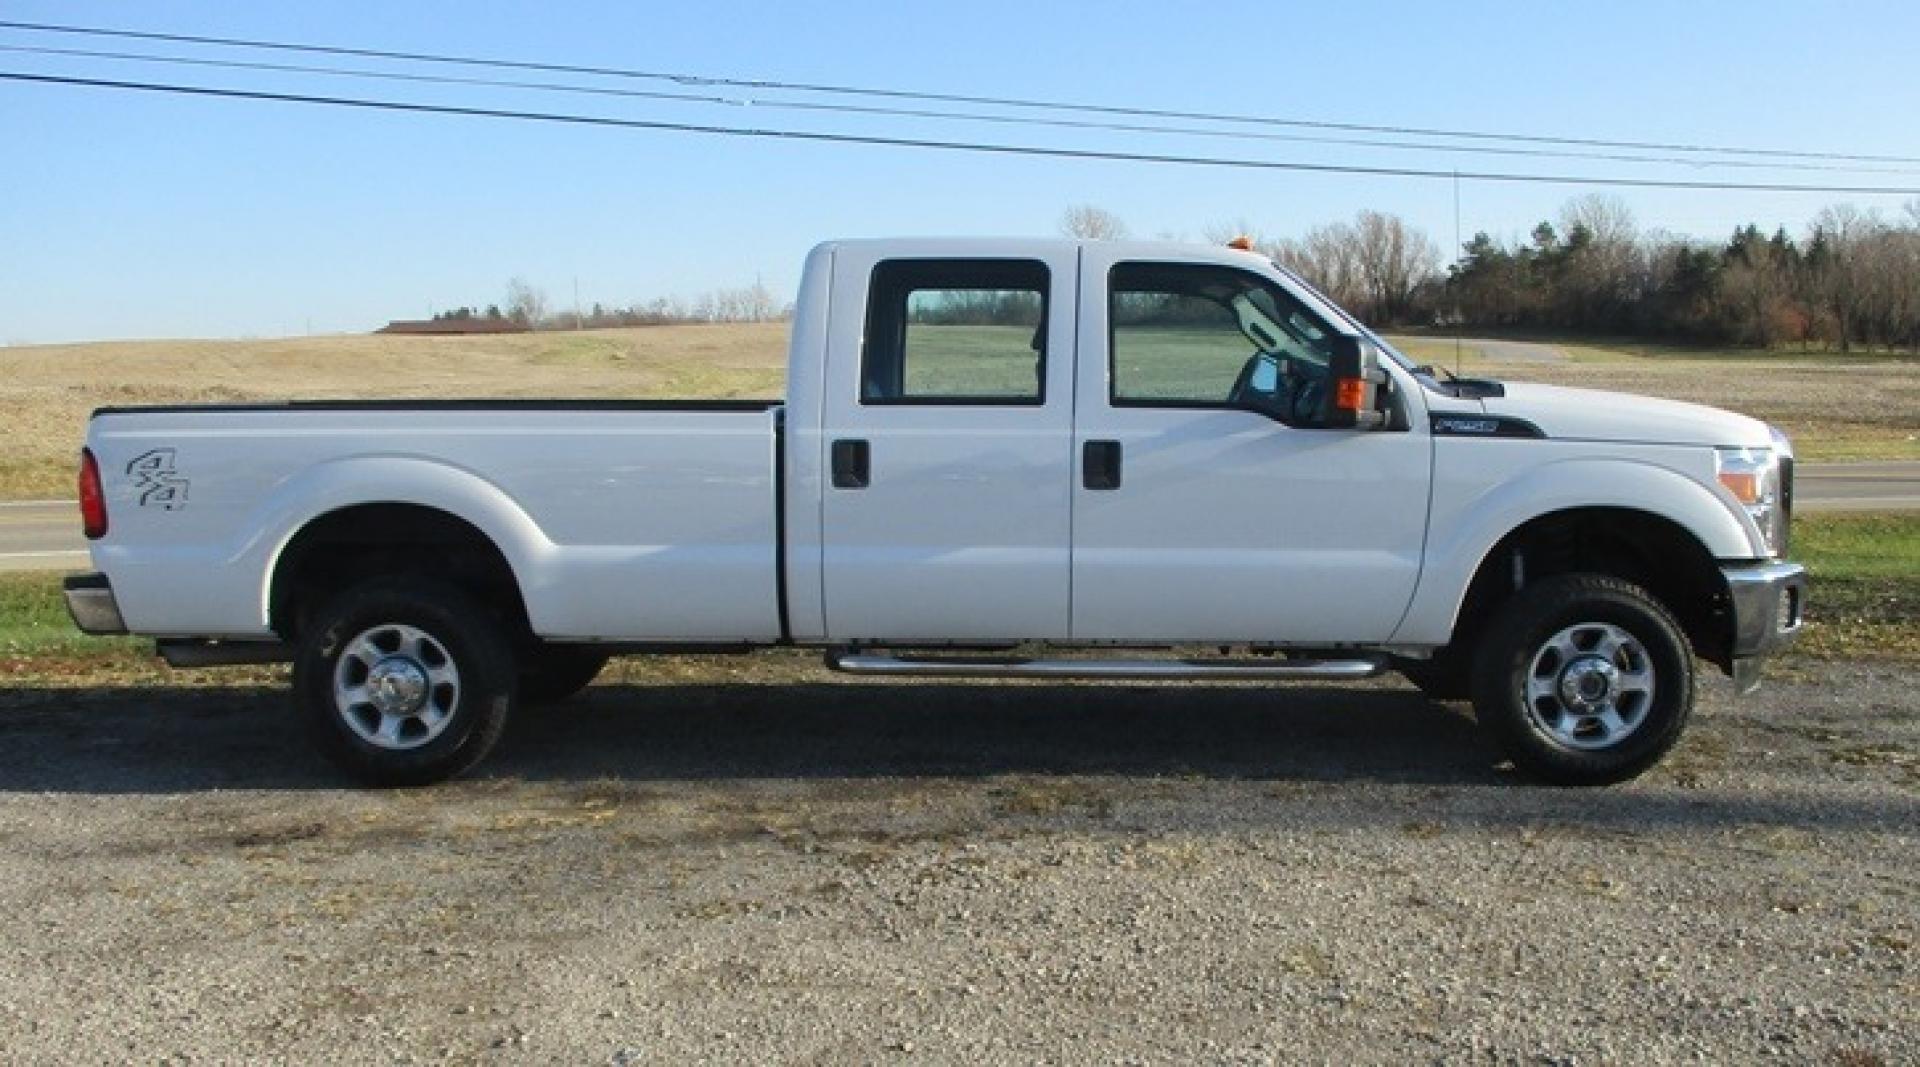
(93, 499)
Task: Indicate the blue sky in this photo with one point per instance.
(125, 215)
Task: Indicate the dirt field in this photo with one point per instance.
(816, 870)
(1837, 409)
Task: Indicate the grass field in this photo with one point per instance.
(1835, 407)
(47, 391)
(1867, 407)
(1866, 603)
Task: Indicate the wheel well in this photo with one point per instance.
(1653, 552)
(348, 546)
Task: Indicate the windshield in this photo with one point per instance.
(1332, 310)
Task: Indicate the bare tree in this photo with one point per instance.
(525, 303)
(1393, 260)
(1601, 265)
(1839, 268)
(1093, 223)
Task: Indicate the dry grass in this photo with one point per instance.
(48, 390)
(1838, 409)
(1835, 407)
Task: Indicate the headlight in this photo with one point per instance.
(1752, 475)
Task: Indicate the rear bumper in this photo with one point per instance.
(90, 601)
(1769, 603)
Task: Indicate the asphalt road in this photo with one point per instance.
(45, 534)
(40, 535)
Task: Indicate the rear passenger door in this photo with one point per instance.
(948, 431)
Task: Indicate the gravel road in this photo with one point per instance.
(857, 871)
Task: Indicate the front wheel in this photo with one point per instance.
(1583, 679)
(404, 682)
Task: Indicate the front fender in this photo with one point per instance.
(1461, 536)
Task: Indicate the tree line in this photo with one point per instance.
(1850, 279)
(527, 305)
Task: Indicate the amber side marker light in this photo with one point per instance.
(1350, 394)
(1242, 243)
(1744, 485)
(93, 499)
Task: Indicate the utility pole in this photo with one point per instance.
(579, 320)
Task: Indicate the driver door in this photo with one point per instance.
(1206, 507)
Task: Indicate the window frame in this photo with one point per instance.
(1114, 399)
(878, 284)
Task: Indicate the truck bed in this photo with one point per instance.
(627, 519)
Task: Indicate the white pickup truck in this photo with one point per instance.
(1027, 458)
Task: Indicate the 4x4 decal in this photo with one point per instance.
(160, 485)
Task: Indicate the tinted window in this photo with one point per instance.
(956, 331)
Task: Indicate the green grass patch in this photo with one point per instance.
(34, 621)
(1866, 584)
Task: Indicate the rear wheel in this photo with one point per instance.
(1583, 679)
(404, 682)
(552, 673)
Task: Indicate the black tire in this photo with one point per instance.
(550, 674)
(439, 632)
(1551, 634)
(1448, 675)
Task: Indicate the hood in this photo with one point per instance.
(1596, 415)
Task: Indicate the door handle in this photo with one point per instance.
(1100, 464)
(850, 465)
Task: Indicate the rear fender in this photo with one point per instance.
(329, 487)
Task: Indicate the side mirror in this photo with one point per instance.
(1354, 381)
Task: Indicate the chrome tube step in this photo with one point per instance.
(873, 663)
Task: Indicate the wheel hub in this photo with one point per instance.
(1588, 684)
(397, 685)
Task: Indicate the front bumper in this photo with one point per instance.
(1768, 602)
(90, 601)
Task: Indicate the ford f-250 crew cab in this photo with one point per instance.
(1039, 458)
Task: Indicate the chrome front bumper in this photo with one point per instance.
(1769, 603)
(90, 601)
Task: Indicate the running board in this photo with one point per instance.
(1120, 669)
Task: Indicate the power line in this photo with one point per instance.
(923, 113)
(956, 146)
(948, 98)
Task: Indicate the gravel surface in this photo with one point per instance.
(799, 868)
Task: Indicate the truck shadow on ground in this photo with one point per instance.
(160, 739)
(880, 737)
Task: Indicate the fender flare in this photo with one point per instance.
(334, 485)
(1455, 555)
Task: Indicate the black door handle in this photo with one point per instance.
(850, 468)
(1100, 464)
